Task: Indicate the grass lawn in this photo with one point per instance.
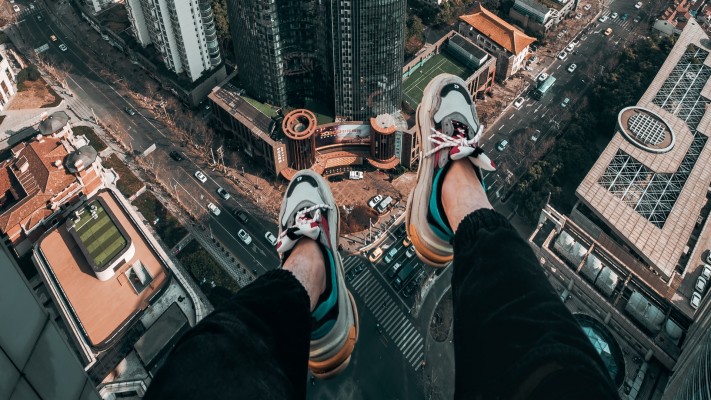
(128, 184)
(94, 139)
(264, 108)
(217, 284)
(167, 226)
(100, 235)
(415, 84)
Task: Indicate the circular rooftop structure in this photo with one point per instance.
(80, 159)
(299, 124)
(646, 129)
(53, 123)
(605, 345)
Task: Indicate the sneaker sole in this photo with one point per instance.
(428, 246)
(330, 354)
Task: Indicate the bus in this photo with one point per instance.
(543, 88)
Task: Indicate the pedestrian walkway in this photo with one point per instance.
(390, 317)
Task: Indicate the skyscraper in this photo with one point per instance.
(182, 31)
(346, 54)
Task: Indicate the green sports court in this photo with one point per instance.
(99, 234)
(415, 84)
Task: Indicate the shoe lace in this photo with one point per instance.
(460, 147)
(306, 223)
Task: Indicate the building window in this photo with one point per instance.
(139, 277)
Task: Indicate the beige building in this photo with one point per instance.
(632, 253)
(7, 81)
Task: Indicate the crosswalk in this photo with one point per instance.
(617, 22)
(391, 318)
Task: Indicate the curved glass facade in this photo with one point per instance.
(606, 346)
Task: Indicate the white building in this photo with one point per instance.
(7, 82)
(99, 5)
(182, 31)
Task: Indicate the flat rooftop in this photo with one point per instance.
(414, 85)
(103, 308)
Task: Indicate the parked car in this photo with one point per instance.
(638, 5)
(624, 17)
(384, 205)
(565, 102)
(570, 47)
(578, 16)
(176, 156)
(572, 67)
(406, 242)
(355, 175)
(246, 238)
(391, 255)
(223, 193)
(213, 209)
(241, 216)
(533, 59)
(700, 284)
(534, 137)
(614, 15)
(63, 47)
(519, 102)
(602, 19)
(501, 146)
(695, 300)
(375, 255)
(52, 38)
(200, 176)
(270, 238)
(16, 8)
(587, 7)
(542, 77)
(410, 252)
(706, 272)
(129, 110)
(562, 55)
(375, 200)
(394, 270)
(608, 32)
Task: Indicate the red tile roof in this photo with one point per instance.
(498, 30)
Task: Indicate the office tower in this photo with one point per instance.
(345, 54)
(182, 31)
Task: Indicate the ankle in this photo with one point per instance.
(307, 264)
(462, 192)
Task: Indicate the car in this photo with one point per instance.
(565, 102)
(63, 47)
(608, 32)
(614, 15)
(587, 7)
(602, 19)
(32, 6)
(572, 67)
(637, 18)
(406, 242)
(706, 272)
(391, 255)
(575, 42)
(570, 47)
(533, 59)
(16, 8)
(562, 55)
(52, 38)
(560, 35)
(175, 156)
(241, 216)
(519, 102)
(695, 300)
(700, 284)
(410, 252)
(223, 193)
(375, 200)
(40, 18)
(270, 238)
(534, 138)
(578, 16)
(355, 175)
(244, 236)
(379, 328)
(394, 270)
(200, 176)
(128, 110)
(375, 255)
(501, 146)
(542, 77)
(213, 209)
(384, 205)
(624, 17)
(638, 5)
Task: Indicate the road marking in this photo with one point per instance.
(501, 127)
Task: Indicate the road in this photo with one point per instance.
(99, 97)
(544, 117)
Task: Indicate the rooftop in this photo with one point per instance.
(654, 201)
(468, 46)
(103, 309)
(501, 32)
(540, 6)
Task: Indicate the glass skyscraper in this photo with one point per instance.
(347, 54)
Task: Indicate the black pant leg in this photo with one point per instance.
(255, 346)
(513, 337)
